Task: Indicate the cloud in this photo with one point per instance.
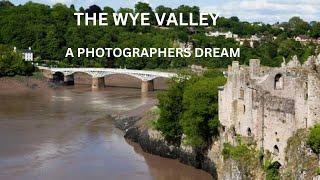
(249, 10)
(62, 1)
(267, 10)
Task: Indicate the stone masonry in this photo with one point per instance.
(269, 104)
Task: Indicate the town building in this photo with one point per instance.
(27, 54)
(229, 35)
(225, 34)
(252, 40)
(304, 39)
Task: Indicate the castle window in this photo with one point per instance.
(241, 94)
(244, 109)
(306, 96)
(233, 131)
(306, 121)
(276, 150)
(278, 82)
(249, 133)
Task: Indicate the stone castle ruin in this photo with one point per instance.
(269, 104)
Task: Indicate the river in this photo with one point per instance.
(65, 134)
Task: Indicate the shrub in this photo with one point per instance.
(170, 105)
(247, 157)
(314, 139)
(190, 107)
(200, 120)
(12, 64)
(272, 171)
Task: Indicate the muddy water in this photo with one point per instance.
(65, 134)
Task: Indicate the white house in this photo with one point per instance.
(27, 54)
(225, 34)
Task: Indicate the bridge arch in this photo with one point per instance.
(82, 78)
(122, 80)
(58, 77)
(161, 83)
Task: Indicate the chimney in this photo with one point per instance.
(30, 48)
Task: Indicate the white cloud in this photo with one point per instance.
(267, 10)
(62, 1)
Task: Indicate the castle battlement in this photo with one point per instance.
(270, 104)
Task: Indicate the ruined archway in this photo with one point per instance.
(249, 133)
(278, 82)
(233, 131)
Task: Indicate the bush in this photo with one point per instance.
(272, 171)
(12, 64)
(314, 139)
(318, 171)
(200, 119)
(170, 105)
(246, 157)
(190, 107)
(238, 153)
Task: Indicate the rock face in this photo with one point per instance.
(152, 142)
(209, 160)
(301, 163)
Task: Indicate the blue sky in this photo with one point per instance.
(268, 11)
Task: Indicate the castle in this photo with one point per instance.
(269, 104)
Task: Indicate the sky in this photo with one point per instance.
(267, 11)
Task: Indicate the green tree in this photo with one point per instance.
(200, 120)
(11, 63)
(315, 30)
(170, 105)
(298, 26)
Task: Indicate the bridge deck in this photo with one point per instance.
(101, 72)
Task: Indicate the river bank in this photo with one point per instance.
(137, 128)
(20, 84)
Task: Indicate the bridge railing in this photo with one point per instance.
(112, 71)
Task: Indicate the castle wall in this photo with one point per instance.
(314, 98)
(268, 104)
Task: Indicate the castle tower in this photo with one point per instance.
(313, 98)
(254, 67)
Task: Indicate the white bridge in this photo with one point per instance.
(98, 75)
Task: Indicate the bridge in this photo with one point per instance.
(98, 74)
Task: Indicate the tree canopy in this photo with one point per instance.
(51, 30)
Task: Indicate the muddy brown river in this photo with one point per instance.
(65, 134)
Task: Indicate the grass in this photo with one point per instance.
(318, 171)
(150, 118)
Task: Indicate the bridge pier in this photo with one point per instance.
(98, 83)
(68, 79)
(147, 86)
